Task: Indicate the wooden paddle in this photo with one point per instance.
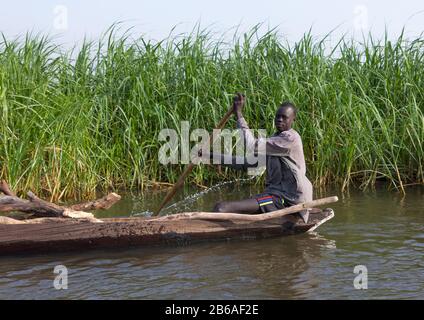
(189, 168)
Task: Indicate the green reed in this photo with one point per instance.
(73, 122)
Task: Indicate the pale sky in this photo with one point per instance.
(71, 20)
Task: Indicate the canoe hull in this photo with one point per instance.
(59, 235)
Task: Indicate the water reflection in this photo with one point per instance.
(286, 269)
(222, 270)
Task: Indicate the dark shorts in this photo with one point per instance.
(268, 202)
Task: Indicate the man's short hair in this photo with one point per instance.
(288, 104)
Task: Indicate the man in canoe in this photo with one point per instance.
(286, 183)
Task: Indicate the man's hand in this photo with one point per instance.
(238, 103)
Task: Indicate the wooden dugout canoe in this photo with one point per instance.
(61, 234)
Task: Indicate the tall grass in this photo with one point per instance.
(72, 122)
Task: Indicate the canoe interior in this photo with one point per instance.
(58, 234)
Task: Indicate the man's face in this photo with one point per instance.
(284, 118)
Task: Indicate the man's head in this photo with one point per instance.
(285, 116)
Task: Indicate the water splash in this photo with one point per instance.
(186, 202)
(146, 214)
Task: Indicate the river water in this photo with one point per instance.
(382, 231)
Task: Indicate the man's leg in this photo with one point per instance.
(247, 206)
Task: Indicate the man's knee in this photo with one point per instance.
(221, 207)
